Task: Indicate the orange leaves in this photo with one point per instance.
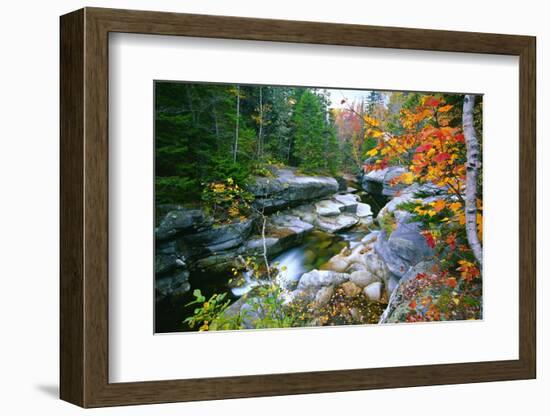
(439, 205)
(451, 282)
(468, 270)
(445, 108)
(455, 207)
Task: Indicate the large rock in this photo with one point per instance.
(247, 310)
(288, 189)
(415, 192)
(364, 264)
(317, 286)
(342, 183)
(165, 263)
(329, 208)
(171, 272)
(404, 247)
(398, 305)
(363, 210)
(380, 181)
(323, 296)
(319, 278)
(181, 220)
(337, 223)
(363, 278)
(282, 232)
(221, 237)
(172, 284)
(373, 291)
(349, 201)
(306, 213)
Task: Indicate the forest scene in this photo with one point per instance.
(284, 207)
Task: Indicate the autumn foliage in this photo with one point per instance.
(431, 145)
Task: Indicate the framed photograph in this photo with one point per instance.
(256, 207)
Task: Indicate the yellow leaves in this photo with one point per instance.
(468, 270)
(372, 152)
(371, 120)
(420, 210)
(234, 210)
(406, 178)
(376, 133)
(445, 108)
(479, 221)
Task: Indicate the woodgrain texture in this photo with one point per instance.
(84, 207)
(72, 213)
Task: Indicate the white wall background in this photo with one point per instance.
(29, 161)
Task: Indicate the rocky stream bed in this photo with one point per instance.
(327, 234)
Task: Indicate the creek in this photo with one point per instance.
(316, 249)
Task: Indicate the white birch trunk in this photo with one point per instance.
(472, 170)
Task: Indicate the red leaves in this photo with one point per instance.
(412, 305)
(383, 164)
(451, 241)
(423, 148)
(451, 282)
(459, 138)
(432, 102)
(430, 240)
(442, 157)
(421, 276)
(468, 270)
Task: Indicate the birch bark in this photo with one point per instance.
(472, 172)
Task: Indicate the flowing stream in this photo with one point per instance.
(317, 248)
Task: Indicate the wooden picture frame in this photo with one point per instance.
(84, 207)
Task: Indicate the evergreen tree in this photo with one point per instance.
(309, 132)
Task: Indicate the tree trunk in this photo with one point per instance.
(261, 122)
(235, 147)
(472, 170)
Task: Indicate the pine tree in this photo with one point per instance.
(309, 133)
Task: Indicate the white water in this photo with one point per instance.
(290, 265)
